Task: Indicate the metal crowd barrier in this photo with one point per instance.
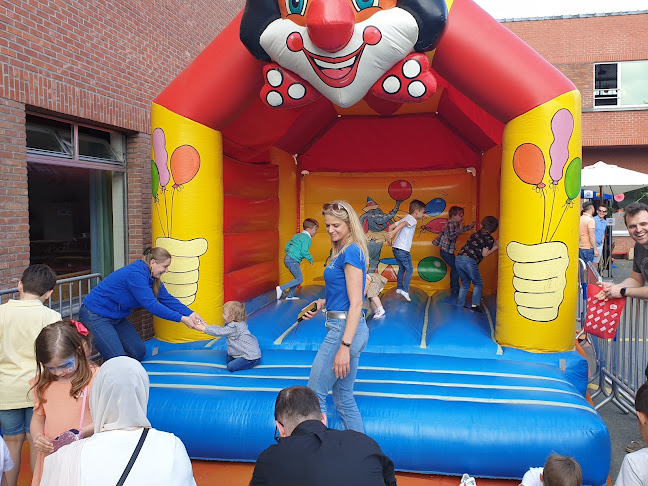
(620, 362)
(67, 296)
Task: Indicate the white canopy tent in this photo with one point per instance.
(600, 176)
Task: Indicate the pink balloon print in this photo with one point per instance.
(562, 127)
(160, 156)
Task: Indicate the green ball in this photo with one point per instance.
(432, 269)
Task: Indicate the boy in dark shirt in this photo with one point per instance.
(479, 245)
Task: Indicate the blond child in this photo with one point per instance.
(375, 284)
(61, 387)
(20, 322)
(243, 350)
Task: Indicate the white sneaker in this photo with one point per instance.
(406, 295)
(292, 298)
(399, 291)
(379, 313)
(279, 292)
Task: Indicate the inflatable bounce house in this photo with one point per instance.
(378, 102)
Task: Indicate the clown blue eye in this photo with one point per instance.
(363, 4)
(297, 7)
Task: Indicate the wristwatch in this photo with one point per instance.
(623, 291)
(344, 343)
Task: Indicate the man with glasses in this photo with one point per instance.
(308, 452)
(636, 219)
(599, 231)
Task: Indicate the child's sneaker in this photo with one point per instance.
(279, 292)
(399, 291)
(292, 298)
(379, 313)
(406, 295)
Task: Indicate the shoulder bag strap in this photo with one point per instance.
(136, 452)
(83, 407)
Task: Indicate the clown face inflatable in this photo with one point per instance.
(343, 49)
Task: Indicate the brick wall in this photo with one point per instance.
(573, 45)
(14, 202)
(99, 62)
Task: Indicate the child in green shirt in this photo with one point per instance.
(296, 251)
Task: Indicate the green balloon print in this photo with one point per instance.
(573, 178)
(432, 269)
(155, 176)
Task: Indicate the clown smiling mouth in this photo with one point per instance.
(336, 72)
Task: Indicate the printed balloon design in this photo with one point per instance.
(155, 180)
(400, 190)
(529, 164)
(435, 226)
(562, 127)
(573, 178)
(432, 269)
(160, 156)
(185, 163)
(435, 207)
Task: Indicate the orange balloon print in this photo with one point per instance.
(529, 164)
(185, 163)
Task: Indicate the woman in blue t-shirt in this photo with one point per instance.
(336, 363)
(106, 307)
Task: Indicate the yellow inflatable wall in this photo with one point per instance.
(186, 166)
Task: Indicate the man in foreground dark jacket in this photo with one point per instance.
(309, 453)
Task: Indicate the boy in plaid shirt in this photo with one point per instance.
(447, 240)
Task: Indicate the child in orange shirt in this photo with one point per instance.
(61, 387)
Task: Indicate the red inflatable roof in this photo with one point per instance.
(486, 75)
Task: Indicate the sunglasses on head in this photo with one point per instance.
(333, 206)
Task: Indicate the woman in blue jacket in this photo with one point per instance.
(106, 307)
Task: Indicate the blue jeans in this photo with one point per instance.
(16, 421)
(405, 268)
(469, 272)
(295, 269)
(322, 377)
(238, 364)
(113, 337)
(449, 258)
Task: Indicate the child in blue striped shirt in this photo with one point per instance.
(243, 350)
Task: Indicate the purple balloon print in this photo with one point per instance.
(161, 156)
(562, 127)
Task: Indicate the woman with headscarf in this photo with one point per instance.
(118, 402)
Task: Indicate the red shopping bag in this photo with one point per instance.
(602, 316)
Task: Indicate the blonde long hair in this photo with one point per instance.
(158, 254)
(356, 235)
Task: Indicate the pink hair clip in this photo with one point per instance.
(80, 327)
